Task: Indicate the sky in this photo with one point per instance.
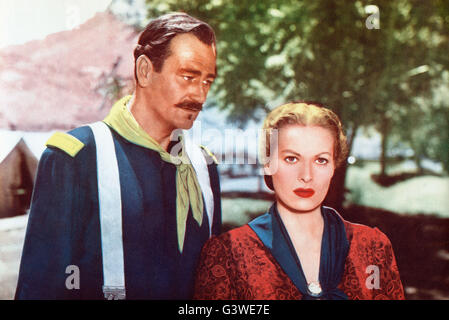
(25, 20)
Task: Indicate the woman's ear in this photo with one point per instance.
(144, 69)
(268, 169)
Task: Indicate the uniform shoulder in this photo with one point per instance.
(71, 142)
(65, 142)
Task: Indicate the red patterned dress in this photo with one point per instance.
(237, 265)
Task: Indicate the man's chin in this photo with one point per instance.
(186, 125)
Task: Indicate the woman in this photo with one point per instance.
(300, 249)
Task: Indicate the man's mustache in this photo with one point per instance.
(191, 105)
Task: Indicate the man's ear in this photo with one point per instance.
(144, 70)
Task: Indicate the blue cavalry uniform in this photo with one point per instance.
(64, 225)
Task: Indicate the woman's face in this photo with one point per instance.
(302, 167)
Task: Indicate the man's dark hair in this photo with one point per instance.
(154, 42)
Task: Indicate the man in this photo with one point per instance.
(164, 212)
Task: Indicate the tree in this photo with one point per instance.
(425, 126)
(272, 52)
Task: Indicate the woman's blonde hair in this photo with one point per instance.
(304, 114)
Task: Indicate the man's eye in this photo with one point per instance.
(322, 161)
(208, 83)
(290, 159)
(187, 78)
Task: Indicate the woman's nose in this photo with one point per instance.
(305, 172)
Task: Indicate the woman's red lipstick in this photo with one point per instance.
(304, 193)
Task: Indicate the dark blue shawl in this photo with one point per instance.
(334, 249)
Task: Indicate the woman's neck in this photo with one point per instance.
(305, 230)
(309, 224)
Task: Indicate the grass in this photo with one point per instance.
(418, 195)
(238, 211)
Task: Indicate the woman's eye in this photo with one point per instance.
(322, 161)
(290, 159)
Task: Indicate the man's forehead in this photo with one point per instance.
(190, 52)
(188, 41)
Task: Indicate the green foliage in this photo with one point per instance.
(438, 144)
(275, 51)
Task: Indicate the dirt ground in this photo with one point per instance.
(12, 234)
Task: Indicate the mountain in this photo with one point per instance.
(69, 78)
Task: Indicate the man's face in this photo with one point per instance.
(177, 93)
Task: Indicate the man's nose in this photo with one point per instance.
(199, 92)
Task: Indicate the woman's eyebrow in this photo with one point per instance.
(322, 153)
(298, 154)
(291, 151)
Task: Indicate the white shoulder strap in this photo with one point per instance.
(110, 203)
(199, 163)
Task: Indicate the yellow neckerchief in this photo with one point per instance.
(187, 187)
